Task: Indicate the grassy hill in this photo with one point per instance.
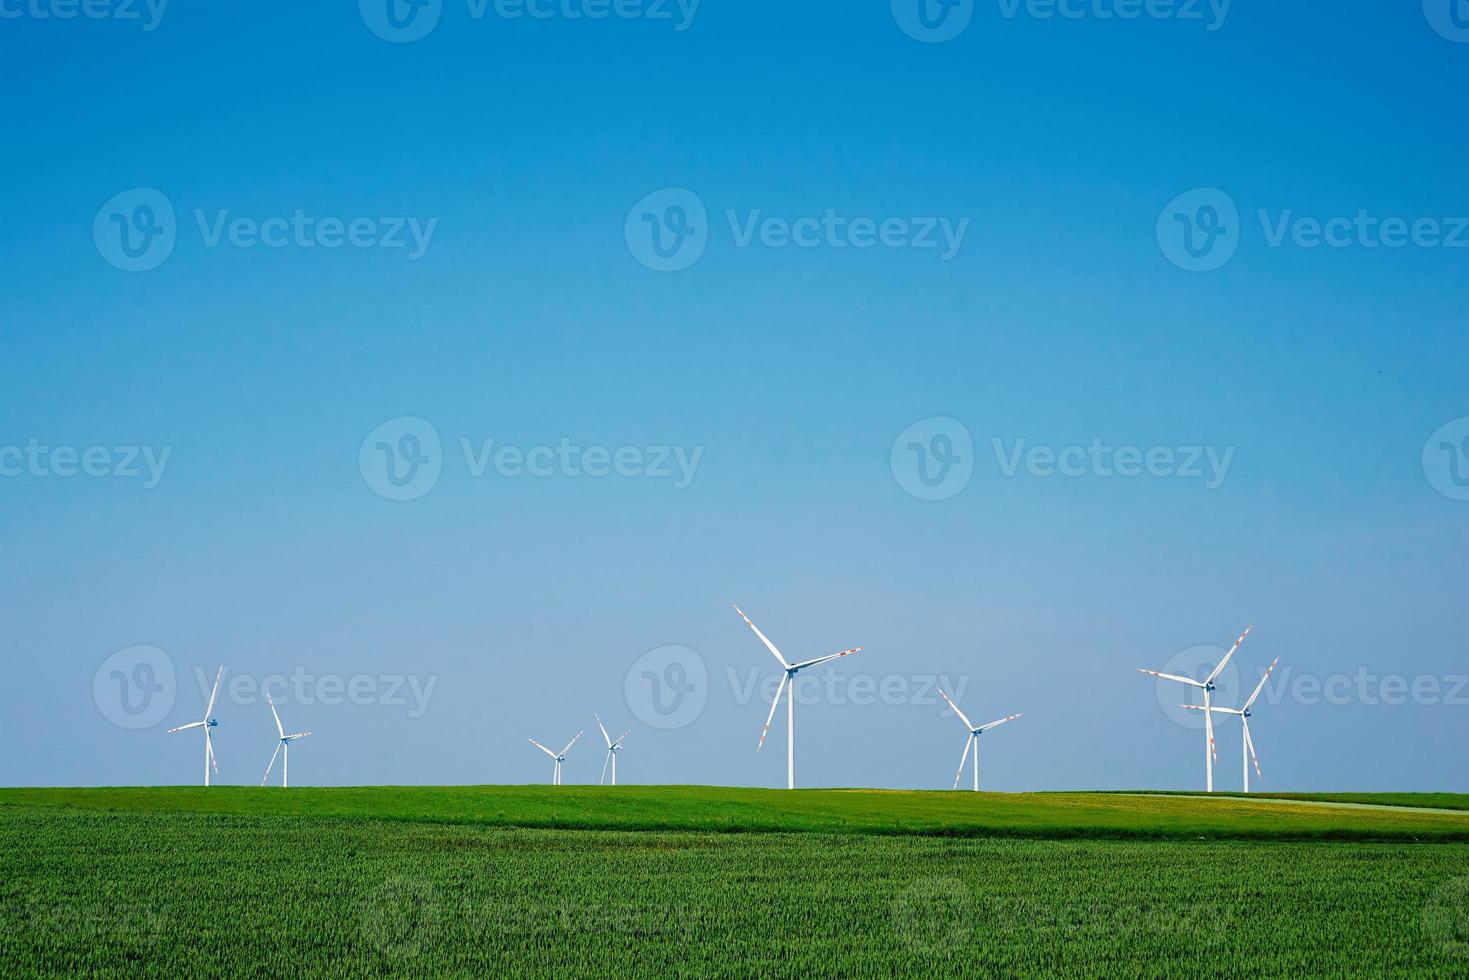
(1390, 817)
(680, 881)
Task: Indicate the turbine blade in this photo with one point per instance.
(543, 748)
(277, 715)
(213, 694)
(1219, 668)
(292, 738)
(773, 704)
(184, 728)
(997, 723)
(763, 638)
(1261, 686)
(1170, 677)
(268, 768)
(607, 738)
(962, 759)
(1209, 732)
(821, 660)
(962, 716)
(209, 747)
(572, 742)
(618, 740)
(604, 769)
(1250, 744)
(1212, 707)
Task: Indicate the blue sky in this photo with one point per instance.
(517, 605)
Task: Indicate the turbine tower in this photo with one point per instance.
(790, 678)
(206, 724)
(1247, 743)
(560, 757)
(614, 746)
(283, 746)
(1207, 686)
(973, 739)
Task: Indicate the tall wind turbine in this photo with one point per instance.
(560, 757)
(283, 746)
(973, 739)
(206, 724)
(1247, 744)
(614, 746)
(790, 677)
(1207, 686)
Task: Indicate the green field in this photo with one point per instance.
(457, 881)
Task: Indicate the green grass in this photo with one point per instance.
(1440, 801)
(193, 894)
(724, 809)
(235, 882)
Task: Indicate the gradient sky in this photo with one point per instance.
(527, 602)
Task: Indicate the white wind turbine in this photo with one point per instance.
(614, 746)
(206, 724)
(973, 739)
(283, 746)
(1207, 686)
(1247, 744)
(560, 757)
(790, 677)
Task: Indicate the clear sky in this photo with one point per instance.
(242, 246)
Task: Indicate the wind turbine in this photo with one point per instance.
(284, 745)
(560, 757)
(973, 739)
(790, 676)
(1207, 686)
(614, 746)
(1247, 744)
(206, 724)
